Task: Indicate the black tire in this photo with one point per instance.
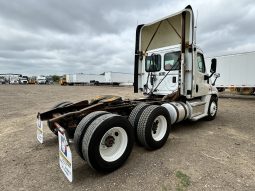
(212, 115)
(134, 118)
(82, 127)
(59, 105)
(92, 141)
(147, 124)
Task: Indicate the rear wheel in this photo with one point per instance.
(82, 127)
(134, 118)
(108, 142)
(59, 105)
(154, 127)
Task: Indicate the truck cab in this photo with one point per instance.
(168, 62)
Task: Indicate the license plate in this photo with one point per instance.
(39, 128)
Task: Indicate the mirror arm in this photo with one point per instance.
(215, 80)
(206, 77)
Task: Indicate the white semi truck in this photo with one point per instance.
(236, 71)
(41, 79)
(169, 70)
(23, 80)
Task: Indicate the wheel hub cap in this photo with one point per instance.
(159, 128)
(213, 108)
(109, 141)
(113, 144)
(155, 126)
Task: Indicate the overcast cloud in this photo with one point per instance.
(64, 36)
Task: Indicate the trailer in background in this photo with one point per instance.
(107, 78)
(83, 79)
(236, 72)
(119, 78)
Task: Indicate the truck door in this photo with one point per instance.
(200, 85)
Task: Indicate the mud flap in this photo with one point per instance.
(65, 155)
(39, 132)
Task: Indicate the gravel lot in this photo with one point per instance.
(215, 155)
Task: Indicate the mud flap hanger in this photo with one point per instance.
(63, 132)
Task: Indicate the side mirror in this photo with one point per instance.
(213, 65)
(213, 69)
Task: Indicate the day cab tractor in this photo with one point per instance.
(170, 71)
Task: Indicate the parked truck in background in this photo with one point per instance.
(11, 78)
(41, 79)
(49, 80)
(236, 72)
(23, 80)
(2, 80)
(32, 80)
(169, 69)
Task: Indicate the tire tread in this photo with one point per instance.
(82, 127)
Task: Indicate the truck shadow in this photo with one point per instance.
(188, 125)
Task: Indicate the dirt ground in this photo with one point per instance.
(214, 155)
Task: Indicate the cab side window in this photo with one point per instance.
(152, 65)
(200, 63)
(172, 61)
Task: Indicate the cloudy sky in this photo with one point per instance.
(64, 36)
